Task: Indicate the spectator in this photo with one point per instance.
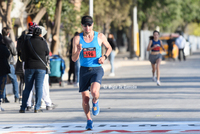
(170, 43)
(20, 64)
(4, 68)
(77, 67)
(45, 95)
(34, 68)
(180, 42)
(71, 63)
(13, 52)
(112, 42)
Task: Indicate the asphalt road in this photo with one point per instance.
(130, 96)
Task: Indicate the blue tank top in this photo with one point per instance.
(157, 49)
(91, 52)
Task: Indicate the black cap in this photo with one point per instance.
(86, 20)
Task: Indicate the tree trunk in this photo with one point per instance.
(56, 27)
(8, 19)
(39, 15)
(144, 26)
(184, 27)
(3, 12)
(49, 27)
(77, 6)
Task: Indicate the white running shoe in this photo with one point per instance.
(158, 83)
(112, 74)
(154, 78)
(1, 109)
(76, 84)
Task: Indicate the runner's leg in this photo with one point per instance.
(153, 69)
(85, 104)
(95, 91)
(158, 61)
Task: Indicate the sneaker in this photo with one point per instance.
(89, 125)
(112, 74)
(5, 100)
(154, 78)
(20, 100)
(158, 83)
(16, 100)
(76, 84)
(28, 108)
(53, 106)
(1, 109)
(21, 111)
(38, 111)
(95, 108)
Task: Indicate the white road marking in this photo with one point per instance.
(100, 127)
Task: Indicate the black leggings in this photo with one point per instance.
(21, 84)
(71, 70)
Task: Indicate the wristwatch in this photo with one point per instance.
(105, 56)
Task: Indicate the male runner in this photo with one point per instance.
(87, 47)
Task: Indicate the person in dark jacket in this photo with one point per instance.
(35, 69)
(71, 63)
(170, 43)
(13, 52)
(4, 68)
(19, 70)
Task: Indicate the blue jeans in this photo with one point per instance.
(32, 75)
(13, 79)
(3, 80)
(77, 70)
(111, 58)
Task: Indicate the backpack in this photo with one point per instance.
(20, 46)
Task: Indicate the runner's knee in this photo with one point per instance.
(86, 100)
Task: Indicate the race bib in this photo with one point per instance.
(89, 52)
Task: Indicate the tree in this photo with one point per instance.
(189, 12)
(56, 27)
(157, 13)
(5, 12)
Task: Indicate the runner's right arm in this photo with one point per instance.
(149, 46)
(76, 50)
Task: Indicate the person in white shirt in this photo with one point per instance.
(180, 42)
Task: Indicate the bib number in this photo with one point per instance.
(89, 52)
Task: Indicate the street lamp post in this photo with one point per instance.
(134, 30)
(91, 8)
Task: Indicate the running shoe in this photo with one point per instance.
(1, 109)
(95, 108)
(158, 83)
(89, 125)
(154, 78)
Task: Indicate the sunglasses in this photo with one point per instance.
(85, 25)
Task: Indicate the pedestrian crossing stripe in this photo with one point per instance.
(114, 127)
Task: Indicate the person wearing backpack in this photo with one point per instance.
(13, 52)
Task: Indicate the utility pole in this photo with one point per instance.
(91, 8)
(134, 30)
